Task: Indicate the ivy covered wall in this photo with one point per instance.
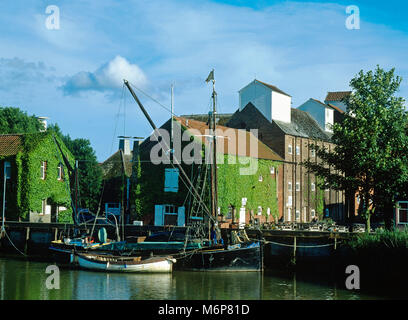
(259, 188)
(26, 190)
(232, 186)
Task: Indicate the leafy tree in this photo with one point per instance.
(89, 171)
(14, 120)
(371, 152)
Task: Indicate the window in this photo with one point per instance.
(289, 186)
(313, 186)
(60, 169)
(312, 153)
(297, 215)
(272, 170)
(229, 214)
(171, 180)
(297, 150)
(289, 214)
(297, 186)
(7, 169)
(259, 210)
(289, 200)
(402, 212)
(43, 169)
(290, 149)
(313, 213)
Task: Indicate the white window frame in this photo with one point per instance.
(313, 213)
(297, 216)
(289, 186)
(272, 170)
(297, 150)
(289, 214)
(312, 153)
(43, 170)
(290, 150)
(397, 214)
(289, 201)
(60, 172)
(297, 186)
(313, 187)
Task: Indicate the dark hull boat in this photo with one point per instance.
(233, 258)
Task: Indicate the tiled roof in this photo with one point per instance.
(301, 125)
(337, 95)
(113, 166)
(273, 88)
(241, 147)
(10, 144)
(222, 118)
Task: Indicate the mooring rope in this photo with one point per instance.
(5, 232)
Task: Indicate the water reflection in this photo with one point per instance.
(20, 279)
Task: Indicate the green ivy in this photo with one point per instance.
(27, 189)
(233, 186)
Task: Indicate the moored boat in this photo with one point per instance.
(240, 257)
(125, 264)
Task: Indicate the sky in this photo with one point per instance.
(71, 69)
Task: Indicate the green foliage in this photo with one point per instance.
(89, 171)
(317, 197)
(371, 152)
(232, 186)
(13, 120)
(380, 240)
(26, 190)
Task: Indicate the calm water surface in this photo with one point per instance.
(21, 279)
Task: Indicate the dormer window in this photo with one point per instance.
(290, 149)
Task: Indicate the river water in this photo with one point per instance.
(23, 279)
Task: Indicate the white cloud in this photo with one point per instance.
(106, 78)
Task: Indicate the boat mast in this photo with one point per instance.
(214, 185)
(183, 173)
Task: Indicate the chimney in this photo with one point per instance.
(43, 120)
(124, 145)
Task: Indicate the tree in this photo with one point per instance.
(371, 152)
(14, 120)
(89, 171)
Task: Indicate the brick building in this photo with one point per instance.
(289, 132)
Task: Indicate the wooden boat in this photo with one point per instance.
(125, 264)
(239, 257)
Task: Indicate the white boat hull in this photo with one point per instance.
(165, 265)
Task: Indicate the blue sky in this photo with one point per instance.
(73, 74)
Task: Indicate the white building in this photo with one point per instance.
(336, 99)
(272, 102)
(325, 114)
